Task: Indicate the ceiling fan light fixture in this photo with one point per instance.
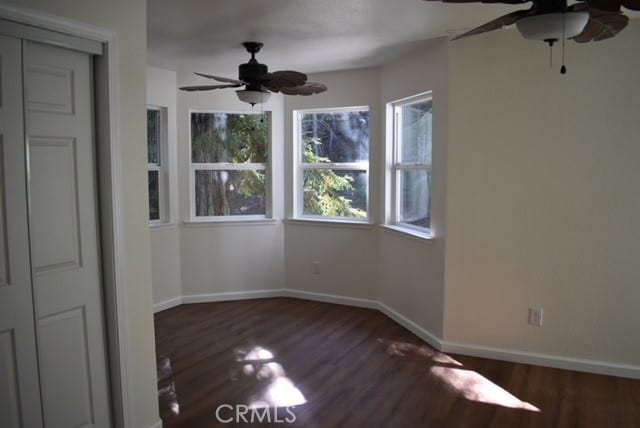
(549, 26)
(253, 97)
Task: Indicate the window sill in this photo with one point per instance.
(161, 226)
(230, 222)
(329, 223)
(423, 237)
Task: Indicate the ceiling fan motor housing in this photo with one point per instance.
(251, 71)
(549, 6)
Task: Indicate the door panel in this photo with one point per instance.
(64, 236)
(64, 335)
(19, 384)
(5, 269)
(51, 89)
(9, 403)
(54, 201)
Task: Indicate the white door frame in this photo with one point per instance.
(108, 147)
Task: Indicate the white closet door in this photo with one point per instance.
(19, 391)
(64, 236)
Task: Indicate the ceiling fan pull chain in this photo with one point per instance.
(551, 55)
(563, 69)
(252, 128)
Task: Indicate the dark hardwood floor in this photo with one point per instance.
(339, 366)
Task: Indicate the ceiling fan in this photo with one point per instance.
(259, 83)
(553, 20)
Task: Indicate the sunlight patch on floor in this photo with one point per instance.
(475, 387)
(168, 392)
(281, 392)
(470, 384)
(402, 349)
(275, 388)
(257, 353)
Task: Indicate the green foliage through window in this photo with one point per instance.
(335, 155)
(229, 154)
(232, 138)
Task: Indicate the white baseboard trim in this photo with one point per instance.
(514, 356)
(232, 295)
(414, 328)
(167, 304)
(559, 362)
(157, 424)
(330, 298)
(370, 304)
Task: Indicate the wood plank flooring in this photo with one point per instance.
(352, 367)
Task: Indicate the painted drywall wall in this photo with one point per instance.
(410, 270)
(127, 18)
(404, 273)
(538, 170)
(165, 239)
(229, 257)
(347, 254)
(346, 258)
(542, 196)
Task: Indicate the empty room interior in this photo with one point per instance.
(319, 213)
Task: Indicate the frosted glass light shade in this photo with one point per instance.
(548, 26)
(253, 97)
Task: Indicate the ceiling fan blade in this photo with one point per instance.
(613, 5)
(607, 5)
(485, 1)
(602, 25)
(221, 79)
(631, 4)
(496, 24)
(208, 87)
(283, 79)
(308, 88)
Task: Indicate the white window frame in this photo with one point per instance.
(228, 166)
(299, 168)
(162, 167)
(396, 167)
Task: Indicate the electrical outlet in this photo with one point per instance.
(315, 267)
(535, 316)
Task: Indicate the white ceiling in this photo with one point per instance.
(305, 35)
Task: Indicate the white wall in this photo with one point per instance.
(543, 207)
(226, 257)
(535, 178)
(127, 18)
(403, 272)
(410, 270)
(347, 254)
(165, 239)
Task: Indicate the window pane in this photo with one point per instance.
(233, 138)
(220, 193)
(416, 132)
(415, 198)
(153, 136)
(154, 196)
(335, 193)
(335, 136)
